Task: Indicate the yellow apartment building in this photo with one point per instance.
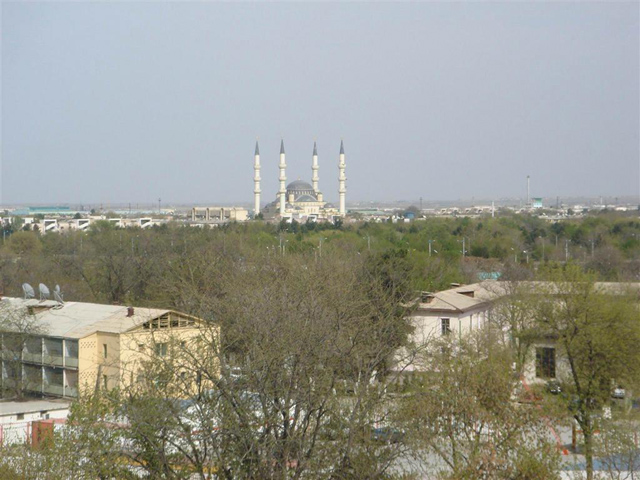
(72, 347)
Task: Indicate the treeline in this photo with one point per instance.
(142, 267)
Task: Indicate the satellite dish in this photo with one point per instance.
(57, 294)
(28, 290)
(44, 291)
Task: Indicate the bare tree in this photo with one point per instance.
(17, 328)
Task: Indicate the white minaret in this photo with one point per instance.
(314, 169)
(283, 179)
(256, 181)
(342, 190)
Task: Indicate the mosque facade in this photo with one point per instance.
(300, 200)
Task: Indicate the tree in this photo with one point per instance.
(17, 328)
(513, 314)
(596, 332)
(293, 389)
(462, 422)
(24, 243)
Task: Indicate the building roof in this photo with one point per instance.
(465, 298)
(299, 185)
(78, 319)
(306, 198)
(14, 408)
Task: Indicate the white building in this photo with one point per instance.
(16, 418)
(463, 309)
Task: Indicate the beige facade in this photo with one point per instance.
(222, 214)
(81, 347)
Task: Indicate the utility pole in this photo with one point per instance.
(430, 242)
(566, 250)
(159, 209)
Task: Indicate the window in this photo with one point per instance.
(104, 350)
(21, 416)
(546, 362)
(161, 349)
(446, 326)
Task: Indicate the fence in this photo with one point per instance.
(27, 431)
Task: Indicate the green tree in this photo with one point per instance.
(596, 330)
(460, 414)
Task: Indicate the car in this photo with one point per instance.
(387, 435)
(553, 387)
(618, 392)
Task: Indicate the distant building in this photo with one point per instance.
(300, 200)
(221, 214)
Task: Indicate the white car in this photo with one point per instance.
(618, 392)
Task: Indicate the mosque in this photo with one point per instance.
(300, 200)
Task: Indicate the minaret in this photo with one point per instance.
(283, 179)
(256, 181)
(342, 190)
(314, 169)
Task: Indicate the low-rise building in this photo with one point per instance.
(68, 348)
(465, 308)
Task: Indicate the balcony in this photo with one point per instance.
(10, 355)
(55, 360)
(71, 362)
(71, 392)
(32, 357)
(53, 389)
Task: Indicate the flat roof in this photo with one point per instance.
(79, 319)
(30, 406)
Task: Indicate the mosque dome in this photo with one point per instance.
(299, 189)
(299, 185)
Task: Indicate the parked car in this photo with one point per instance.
(553, 387)
(387, 435)
(618, 392)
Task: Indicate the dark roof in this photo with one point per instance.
(299, 185)
(306, 198)
(341, 147)
(315, 149)
(281, 146)
(257, 149)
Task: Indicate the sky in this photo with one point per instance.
(116, 102)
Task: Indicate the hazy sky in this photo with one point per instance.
(128, 102)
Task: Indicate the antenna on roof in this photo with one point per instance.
(44, 292)
(28, 290)
(57, 295)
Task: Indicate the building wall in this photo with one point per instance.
(563, 368)
(171, 348)
(93, 366)
(428, 325)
